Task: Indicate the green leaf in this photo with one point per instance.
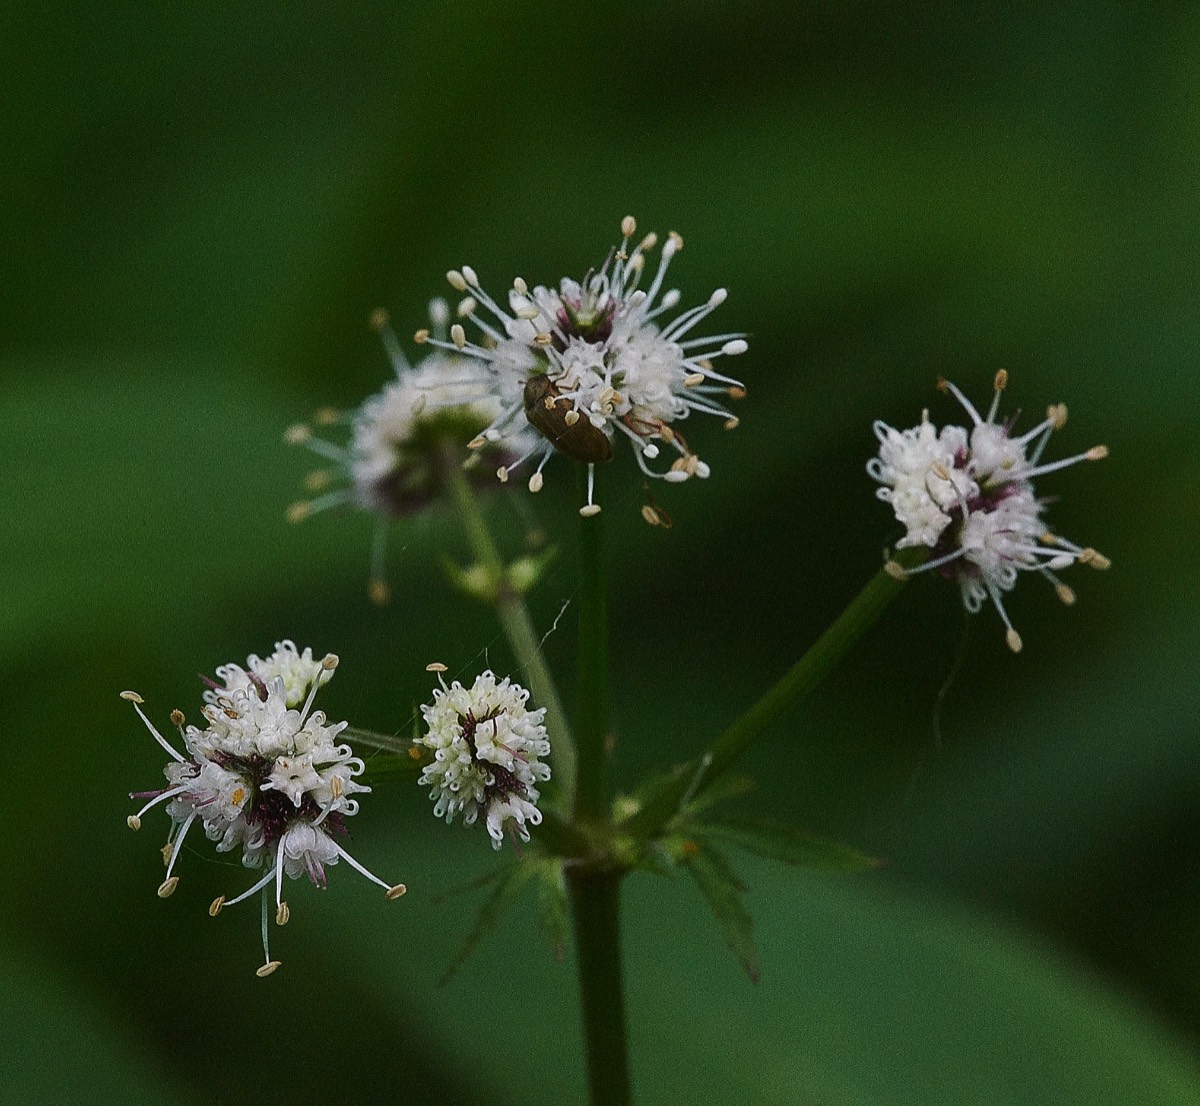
(779, 841)
(508, 884)
(554, 908)
(657, 800)
(732, 786)
(390, 766)
(723, 891)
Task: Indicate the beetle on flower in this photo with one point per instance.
(594, 360)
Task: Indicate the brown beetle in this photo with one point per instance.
(547, 415)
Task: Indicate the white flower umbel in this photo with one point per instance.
(486, 754)
(597, 359)
(966, 494)
(262, 775)
(401, 439)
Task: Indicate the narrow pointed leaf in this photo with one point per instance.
(724, 787)
(779, 841)
(658, 800)
(554, 909)
(508, 885)
(723, 893)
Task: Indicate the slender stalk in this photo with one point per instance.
(595, 907)
(591, 798)
(795, 684)
(806, 674)
(518, 628)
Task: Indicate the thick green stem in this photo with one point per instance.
(518, 628)
(595, 906)
(591, 798)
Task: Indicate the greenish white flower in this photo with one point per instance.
(487, 749)
(266, 774)
(967, 495)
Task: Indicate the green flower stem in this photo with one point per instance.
(595, 907)
(591, 798)
(806, 674)
(518, 628)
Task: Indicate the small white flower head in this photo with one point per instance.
(967, 495)
(266, 774)
(403, 439)
(487, 749)
(599, 359)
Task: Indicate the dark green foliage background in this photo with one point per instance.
(201, 205)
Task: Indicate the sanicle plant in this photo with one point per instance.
(567, 372)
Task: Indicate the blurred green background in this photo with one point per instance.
(202, 204)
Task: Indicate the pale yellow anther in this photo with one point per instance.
(329, 662)
(638, 263)
(421, 336)
(502, 474)
(466, 307)
(318, 480)
(732, 423)
(692, 379)
(379, 593)
(548, 403)
(1097, 453)
(651, 515)
(337, 788)
(1066, 594)
(393, 893)
(1014, 641)
(1095, 559)
(895, 570)
(282, 914)
(458, 336)
(134, 822)
(590, 511)
(649, 242)
(1000, 382)
(1057, 414)
(267, 968)
(132, 697)
(436, 666)
(379, 318)
(167, 888)
(477, 442)
(457, 281)
(214, 907)
(737, 393)
(676, 240)
(166, 852)
(571, 417)
(521, 287)
(628, 226)
(327, 416)
(940, 471)
(297, 435)
(543, 339)
(666, 433)
(177, 718)
(529, 313)
(299, 511)
(535, 482)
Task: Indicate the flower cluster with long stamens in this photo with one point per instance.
(966, 494)
(596, 359)
(402, 439)
(486, 754)
(266, 774)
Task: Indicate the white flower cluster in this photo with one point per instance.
(401, 439)
(595, 359)
(967, 495)
(486, 749)
(265, 774)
